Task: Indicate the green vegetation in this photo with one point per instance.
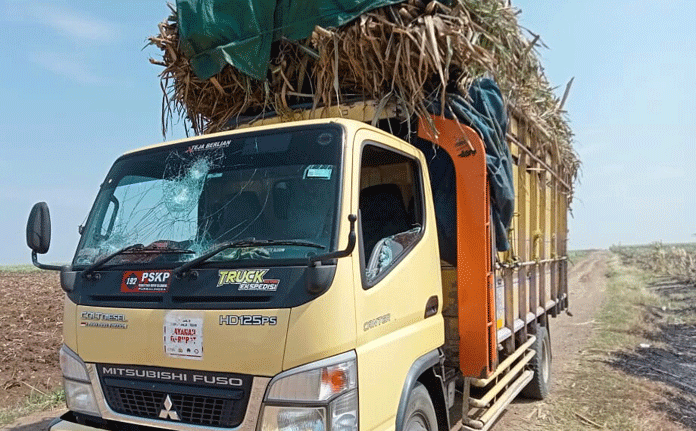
(35, 402)
(575, 256)
(18, 268)
(597, 395)
(621, 320)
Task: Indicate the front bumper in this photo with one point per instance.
(114, 421)
(76, 422)
(62, 424)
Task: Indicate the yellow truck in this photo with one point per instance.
(288, 276)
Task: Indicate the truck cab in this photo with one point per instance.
(281, 277)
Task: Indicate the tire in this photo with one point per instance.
(420, 414)
(538, 387)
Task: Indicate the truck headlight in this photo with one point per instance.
(321, 396)
(79, 395)
(294, 418)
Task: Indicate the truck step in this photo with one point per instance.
(487, 419)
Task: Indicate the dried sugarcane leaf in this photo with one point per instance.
(402, 53)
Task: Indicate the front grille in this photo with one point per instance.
(191, 409)
(204, 398)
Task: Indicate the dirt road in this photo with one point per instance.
(569, 336)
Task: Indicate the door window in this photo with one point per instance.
(391, 209)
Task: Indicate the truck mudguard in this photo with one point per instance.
(422, 364)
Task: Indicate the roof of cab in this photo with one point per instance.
(350, 125)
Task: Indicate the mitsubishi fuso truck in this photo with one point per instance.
(319, 274)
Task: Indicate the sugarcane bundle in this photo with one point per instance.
(404, 54)
(677, 262)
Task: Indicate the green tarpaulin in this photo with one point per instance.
(214, 33)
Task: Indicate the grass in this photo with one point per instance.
(27, 267)
(621, 320)
(34, 403)
(18, 268)
(597, 395)
(575, 256)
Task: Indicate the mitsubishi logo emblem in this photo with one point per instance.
(167, 412)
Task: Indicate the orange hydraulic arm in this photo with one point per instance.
(476, 296)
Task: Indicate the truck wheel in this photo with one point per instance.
(538, 387)
(420, 414)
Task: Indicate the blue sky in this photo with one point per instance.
(632, 109)
(77, 91)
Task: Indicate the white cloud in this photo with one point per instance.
(66, 66)
(76, 25)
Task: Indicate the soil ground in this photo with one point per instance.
(31, 312)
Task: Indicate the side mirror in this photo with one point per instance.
(320, 277)
(39, 234)
(39, 228)
(352, 237)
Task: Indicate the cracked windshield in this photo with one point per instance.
(180, 201)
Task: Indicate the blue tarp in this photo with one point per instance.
(484, 111)
(215, 33)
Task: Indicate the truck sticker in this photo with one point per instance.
(95, 319)
(183, 335)
(146, 281)
(321, 172)
(248, 320)
(247, 279)
(207, 147)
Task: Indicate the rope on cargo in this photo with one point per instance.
(510, 258)
(536, 241)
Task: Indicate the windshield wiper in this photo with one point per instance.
(249, 242)
(132, 249)
(101, 262)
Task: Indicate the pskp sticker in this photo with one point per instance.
(146, 281)
(183, 335)
(247, 279)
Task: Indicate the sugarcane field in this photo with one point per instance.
(364, 215)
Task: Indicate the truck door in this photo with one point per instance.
(398, 271)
